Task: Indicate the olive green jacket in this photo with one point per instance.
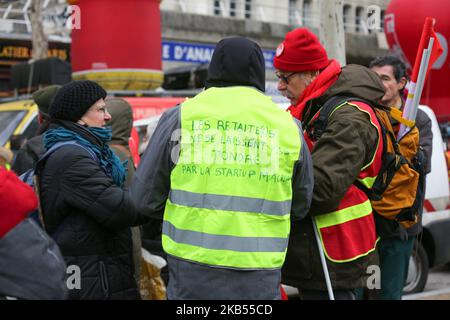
(347, 145)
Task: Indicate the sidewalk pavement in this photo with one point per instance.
(441, 294)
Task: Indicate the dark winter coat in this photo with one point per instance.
(89, 218)
(31, 264)
(347, 144)
(28, 155)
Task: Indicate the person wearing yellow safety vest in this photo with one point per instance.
(226, 171)
(347, 150)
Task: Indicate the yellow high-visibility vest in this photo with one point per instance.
(231, 189)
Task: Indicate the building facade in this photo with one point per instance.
(190, 29)
(204, 22)
(289, 12)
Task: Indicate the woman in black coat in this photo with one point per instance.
(84, 206)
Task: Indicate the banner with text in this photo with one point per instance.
(199, 53)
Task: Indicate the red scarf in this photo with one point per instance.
(317, 88)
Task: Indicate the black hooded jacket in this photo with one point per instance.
(236, 62)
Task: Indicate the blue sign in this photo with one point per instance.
(268, 58)
(199, 53)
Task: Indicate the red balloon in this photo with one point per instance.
(120, 37)
(404, 20)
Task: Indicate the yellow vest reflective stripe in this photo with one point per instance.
(227, 206)
(221, 242)
(230, 203)
(344, 215)
(348, 233)
(368, 181)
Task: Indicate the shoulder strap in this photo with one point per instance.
(40, 163)
(320, 124)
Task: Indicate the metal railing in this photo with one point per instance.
(15, 16)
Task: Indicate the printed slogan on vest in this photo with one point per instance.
(227, 149)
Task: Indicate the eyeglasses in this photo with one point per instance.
(284, 77)
(102, 109)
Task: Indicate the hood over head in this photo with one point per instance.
(356, 81)
(237, 62)
(121, 121)
(44, 97)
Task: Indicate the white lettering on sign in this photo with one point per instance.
(166, 51)
(199, 54)
(179, 52)
(193, 54)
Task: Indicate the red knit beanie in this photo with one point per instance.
(17, 200)
(300, 51)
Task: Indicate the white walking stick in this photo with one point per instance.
(324, 262)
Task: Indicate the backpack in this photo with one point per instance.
(31, 176)
(397, 193)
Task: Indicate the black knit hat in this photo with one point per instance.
(74, 99)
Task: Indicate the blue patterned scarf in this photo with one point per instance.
(109, 162)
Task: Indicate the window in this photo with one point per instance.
(248, 9)
(9, 120)
(382, 20)
(232, 8)
(292, 12)
(346, 15)
(306, 12)
(359, 19)
(217, 8)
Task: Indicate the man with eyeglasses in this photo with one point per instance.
(346, 150)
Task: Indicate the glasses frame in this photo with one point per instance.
(284, 77)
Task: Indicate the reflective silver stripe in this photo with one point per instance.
(229, 203)
(220, 242)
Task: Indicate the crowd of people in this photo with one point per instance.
(235, 210)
